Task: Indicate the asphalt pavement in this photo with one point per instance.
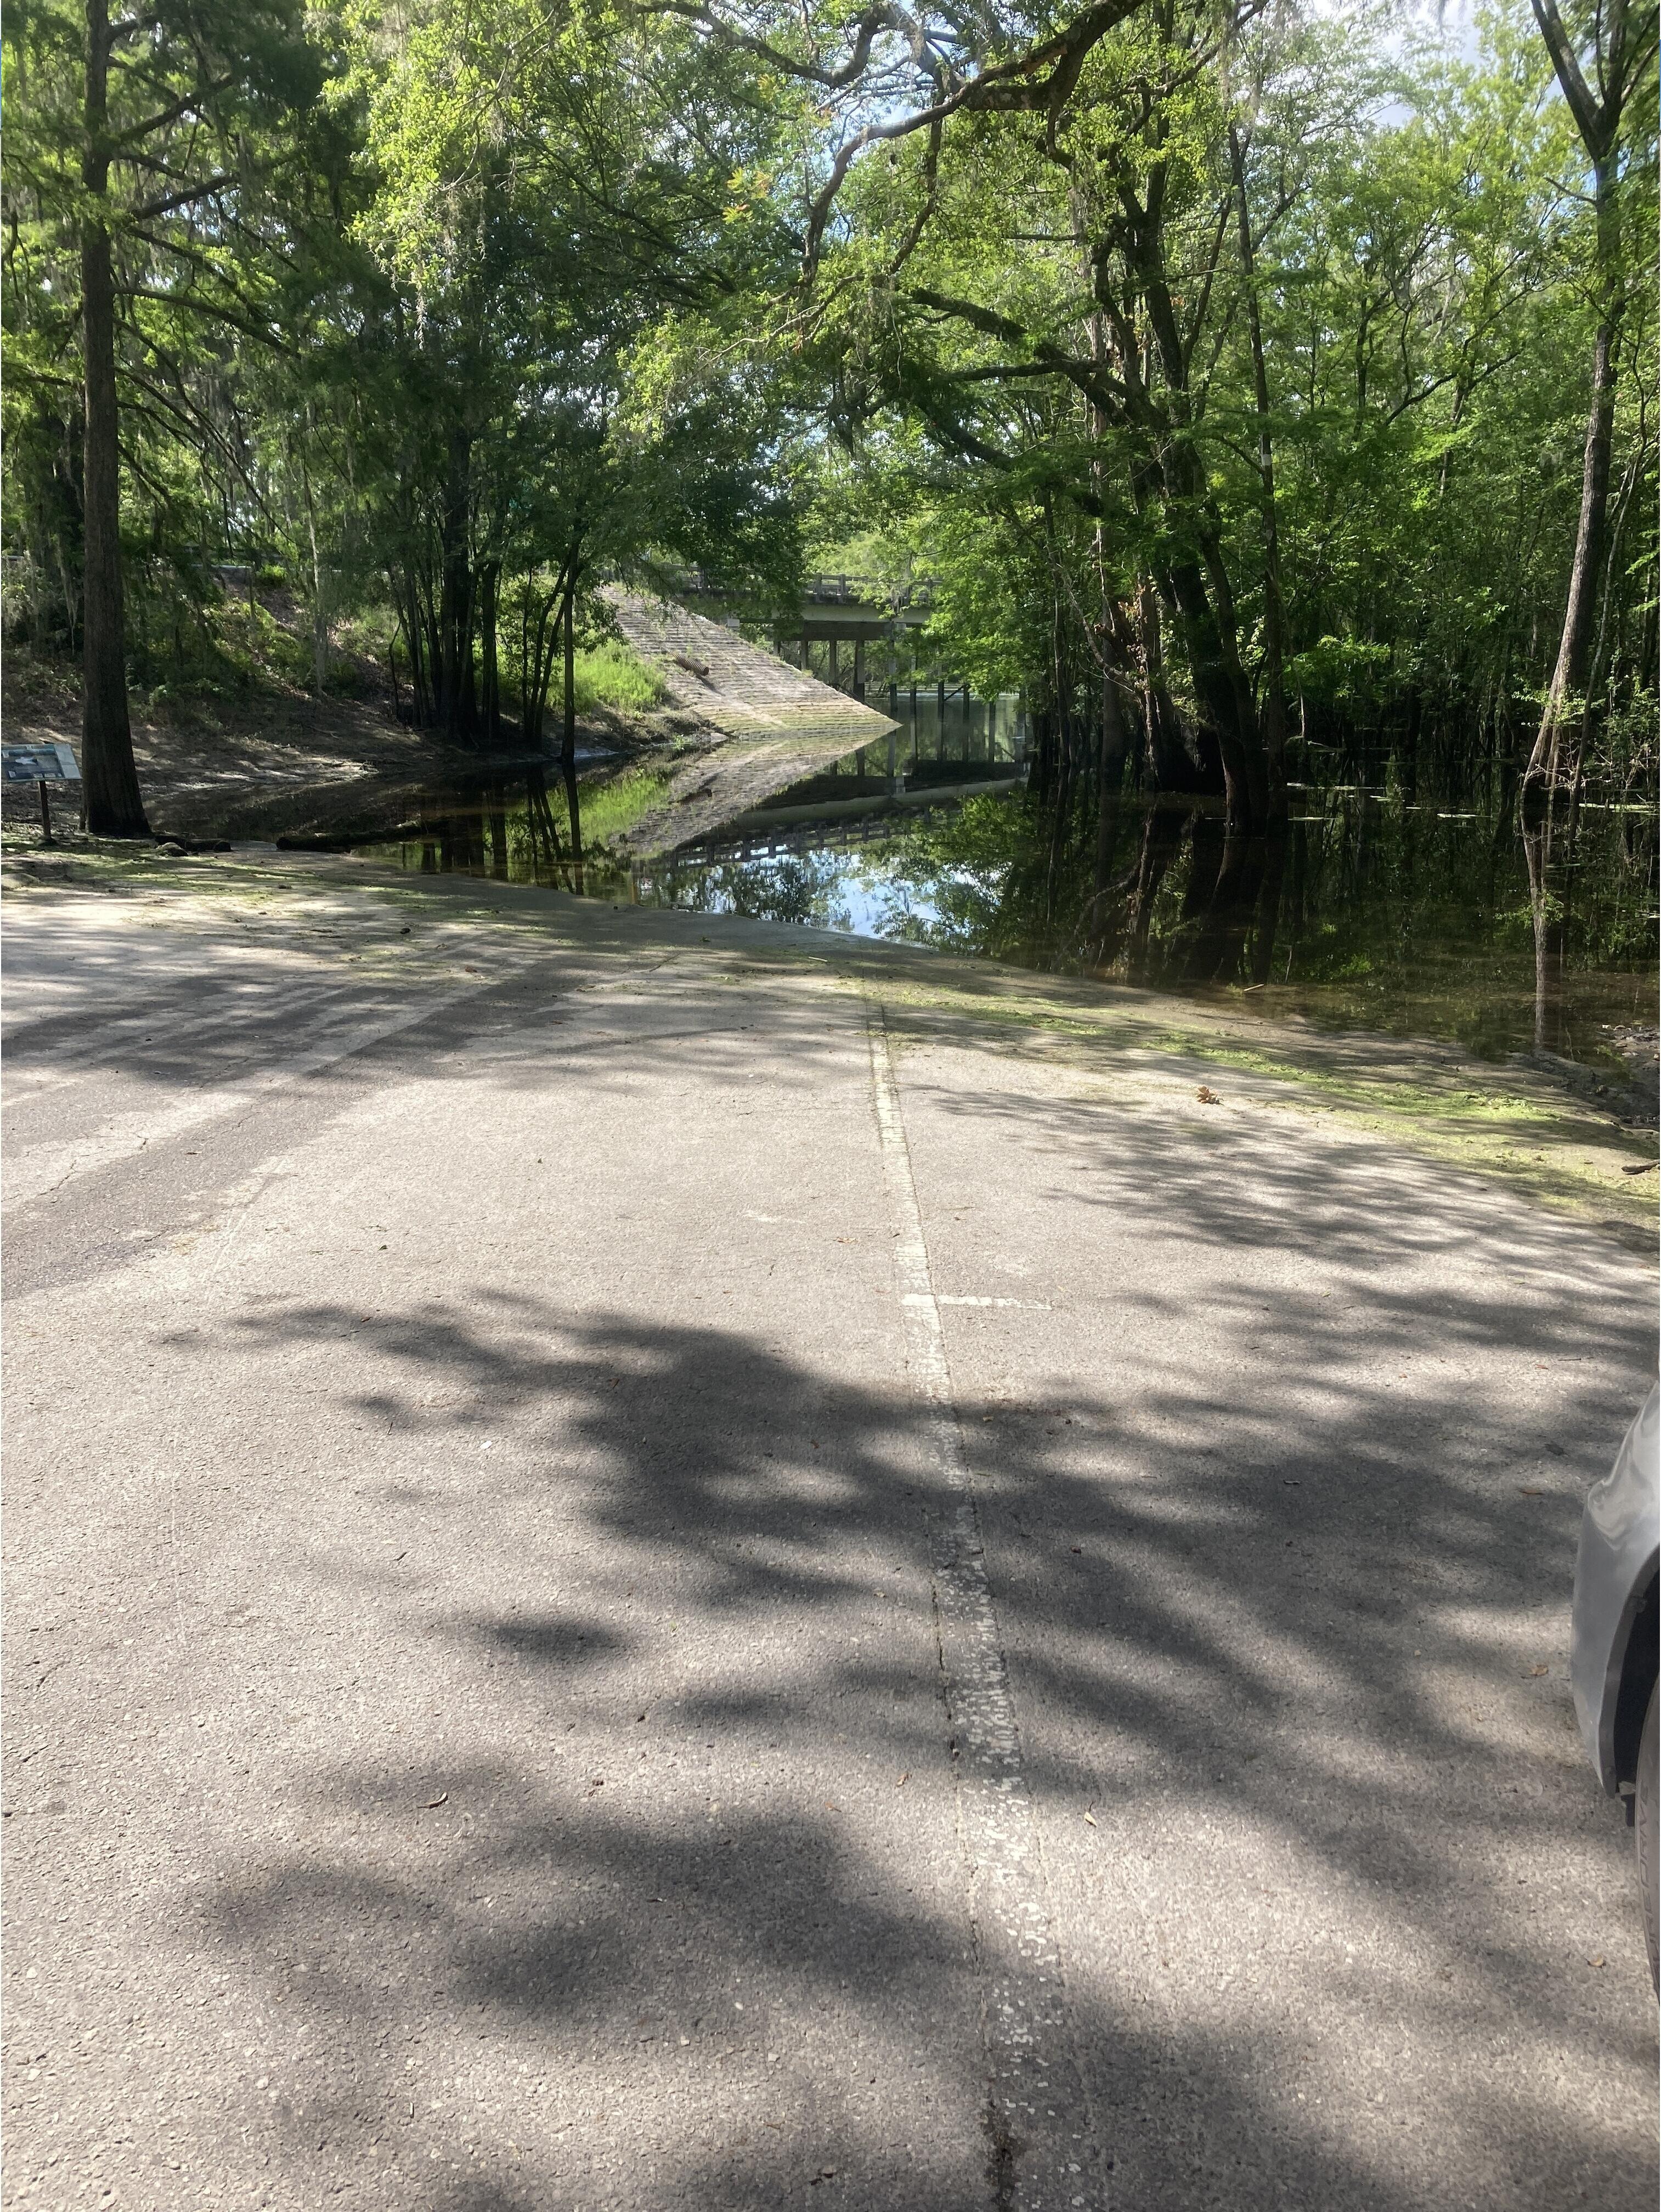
(1047, 1689)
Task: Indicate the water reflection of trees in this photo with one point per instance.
(1380, 903)
(503, 827)
(806, 888)
(1395, 913)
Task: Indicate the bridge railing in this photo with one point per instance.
(822, 589)
(863, 591)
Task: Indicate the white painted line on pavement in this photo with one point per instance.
(1028, 1305)
(1044, 2149)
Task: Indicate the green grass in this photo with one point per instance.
(610, 675)
(612, 808)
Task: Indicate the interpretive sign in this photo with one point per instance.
(44, 763)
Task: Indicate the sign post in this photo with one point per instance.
(42, 764)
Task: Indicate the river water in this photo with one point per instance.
(1374, 911)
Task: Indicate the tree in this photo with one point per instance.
(142, 171)
(1621, 49)
(1260, 352)
(559, 207)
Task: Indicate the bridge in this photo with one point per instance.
(863, 629)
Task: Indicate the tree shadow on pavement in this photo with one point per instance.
(670, 1911)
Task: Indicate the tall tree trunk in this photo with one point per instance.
(1194, 577)
(1110, 768)
(1274, 647)
(319, 607)
(1619, 63)
(1222, 707)
(1568, 676)
(113, 805)
(490, 703)
(568, 744)
(1165, 760)
(455, 670)
(1612, 596)
(548, 638)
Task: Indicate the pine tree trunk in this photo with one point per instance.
(114, 807)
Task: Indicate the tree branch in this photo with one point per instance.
(1591, 116)
(181, 106)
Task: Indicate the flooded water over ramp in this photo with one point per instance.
(1373, 911)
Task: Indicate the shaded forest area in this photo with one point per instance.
(1258, 390)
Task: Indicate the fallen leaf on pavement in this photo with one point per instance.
(443, 1798)
(1207, 1096)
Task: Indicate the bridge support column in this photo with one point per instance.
(859, 668)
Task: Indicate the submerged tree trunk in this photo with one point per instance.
(1162, 840)
(1267, 917)
(539, 817)
(1219, 942)
(499, 832)
(1110, 768)
(111, 796)
(1547, 917)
